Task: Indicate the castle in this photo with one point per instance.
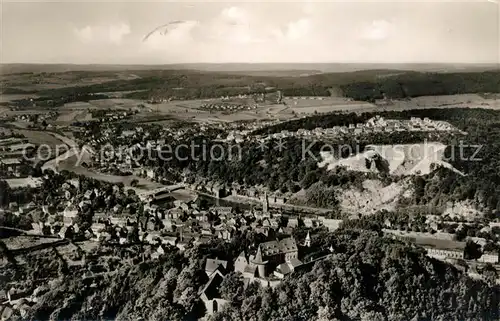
(274, 257)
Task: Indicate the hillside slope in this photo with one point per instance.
(397, 160)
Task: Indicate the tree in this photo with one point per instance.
(4, 193)
(490, 273)
(472, 250)
(231, 288)
(309, 179)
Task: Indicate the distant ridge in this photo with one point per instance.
(306, 68)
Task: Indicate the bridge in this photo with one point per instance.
(165, 189)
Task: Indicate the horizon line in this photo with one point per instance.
(246, 63)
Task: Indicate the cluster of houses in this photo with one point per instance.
(12, 152)
(240, 96)
(441, 243)
(226, 107)
(35, 118)
(178, 224)
(454, 252)
(111, 115)
(107, 135)
(253, 193)
(306, 97)
(450, 251)
(185, 223)
(376, 124)
(139, 140)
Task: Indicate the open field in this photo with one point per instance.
(331, 108)
(448, 101)
(21, 242)
(20, 124)
(12, 113)
(190, 106)
(188, 110)
(79, 105)
(42, 138)
(153, 83)
(11, 97)
(115, 103)
(69, 164)
(39, 137)
(300, 102)
(66, 118)
(4, 110)
(45, 81)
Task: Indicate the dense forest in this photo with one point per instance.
(423, 84)
(362, 85)
(58, 101)
(367, 277)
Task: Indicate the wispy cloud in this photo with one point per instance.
(233, 27)
(377, 30)
(244, 31)
(111, 34)
(299, 29)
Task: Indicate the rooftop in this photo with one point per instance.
(277, 247)
(10, 161)
(23, 182)
(212, 264)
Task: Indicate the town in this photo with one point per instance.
(86, 213)
(219, 161)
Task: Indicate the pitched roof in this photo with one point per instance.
(270, 248)
(292, 222)
(277, 247)
(258, 257)
(294, 262)
(211, 288)
(288, 245)
(284, 268)
(212, 264)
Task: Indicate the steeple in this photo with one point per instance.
(261, 264)
(307, 242)
(265, 203)
(258, 257)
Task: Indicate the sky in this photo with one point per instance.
(113, 32)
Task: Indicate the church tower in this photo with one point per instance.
(307, 242)
(261, 264)
(265, 203)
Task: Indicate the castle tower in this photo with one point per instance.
(261, 264)
(307, 242)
